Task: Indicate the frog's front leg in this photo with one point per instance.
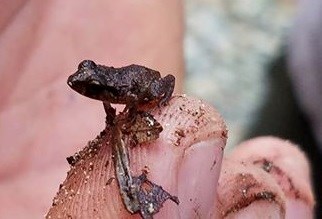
(131, 107)
(163, 89)
(110, 112)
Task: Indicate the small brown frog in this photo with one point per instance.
(133, 86)
(130, 85)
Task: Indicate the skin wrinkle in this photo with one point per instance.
(263, 196)
(249, 184)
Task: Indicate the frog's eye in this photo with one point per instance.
(89, 64)
(94, 82)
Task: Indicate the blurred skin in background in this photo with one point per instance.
(42, 121)
(306, 62)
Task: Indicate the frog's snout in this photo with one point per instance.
(71, 80)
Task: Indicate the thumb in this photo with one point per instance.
(185, 160)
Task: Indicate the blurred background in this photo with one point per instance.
(260, 63)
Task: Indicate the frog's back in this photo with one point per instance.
(139, 71)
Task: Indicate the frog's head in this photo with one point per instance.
(88, 80)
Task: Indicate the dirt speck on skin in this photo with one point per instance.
(195, 121)
(224, 134)
(106, 163)
(179, 133)
(265, 164)
(196, 210)
(213, 164)
(146, 170)
(109, 181)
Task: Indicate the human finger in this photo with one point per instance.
(185, 160)
(280, 163)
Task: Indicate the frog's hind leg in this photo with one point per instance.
(163, 88)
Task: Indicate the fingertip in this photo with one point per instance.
(284, 162)
(186, 156)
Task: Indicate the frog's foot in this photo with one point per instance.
(163, 88)
(150, 196)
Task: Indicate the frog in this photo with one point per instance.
(130, 85)
(133, 86)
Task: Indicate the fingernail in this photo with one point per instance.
(198, 177)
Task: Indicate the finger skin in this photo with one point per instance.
(247, 192)
(287, 165)
(191, 129)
